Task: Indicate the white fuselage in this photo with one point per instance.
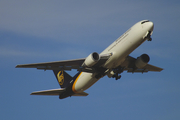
(120, 49)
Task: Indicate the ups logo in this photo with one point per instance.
(60, 77)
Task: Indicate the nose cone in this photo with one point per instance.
(150, 26)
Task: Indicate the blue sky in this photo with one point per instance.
(42, 31)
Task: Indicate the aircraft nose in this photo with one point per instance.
(151, 26)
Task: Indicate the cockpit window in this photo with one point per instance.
(144, 21)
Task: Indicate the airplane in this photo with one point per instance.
(111, 62)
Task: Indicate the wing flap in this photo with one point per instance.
(137, 70)
(49, 92)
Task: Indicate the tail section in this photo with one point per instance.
(63, 78)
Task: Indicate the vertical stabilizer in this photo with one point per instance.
(63, 78)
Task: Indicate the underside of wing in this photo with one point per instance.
(49, 92)
(129, 66)
(68, 64)
(81, 94)
(58, 65)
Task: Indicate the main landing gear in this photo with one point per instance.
(115, 73)
(111, 73)
(116, 76)
(118, 71)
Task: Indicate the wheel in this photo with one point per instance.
(119, 76)
(149, 39)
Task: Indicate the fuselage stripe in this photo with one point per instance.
(73, 87)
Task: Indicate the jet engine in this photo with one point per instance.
(142, 61)
(91, 60)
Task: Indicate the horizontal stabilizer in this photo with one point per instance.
(81, 94)
(49, 92)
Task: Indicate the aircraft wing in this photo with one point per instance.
(58, 65)
(49, 92)
(129, 66)
(66, 64)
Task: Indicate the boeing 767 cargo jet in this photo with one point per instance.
(111, 62)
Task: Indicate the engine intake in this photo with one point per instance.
(91, 60)
(142, 61)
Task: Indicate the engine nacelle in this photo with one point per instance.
(142, 61)
(91, 60)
